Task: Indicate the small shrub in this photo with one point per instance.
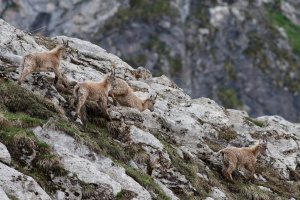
(229, 98)
(3, 122)
(49, 162)
(255, 121)
(227, 133)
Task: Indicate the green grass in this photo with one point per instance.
(155, 44)
(255, 121)
(151, 10)
(24, 118)
(291, 29)
(228, 135)
(189, 168)
(139, 10)
(230, 69)
(146, 181)
(16, 99)
(229, 98)
(11, 197)
(21, 143)
(175, 66)
(256, 45)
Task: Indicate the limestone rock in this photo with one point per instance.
(4, 154)
(100, 170)
(20, 185)
(3, 195)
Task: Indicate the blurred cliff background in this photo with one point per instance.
(243, 54)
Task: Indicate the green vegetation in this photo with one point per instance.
(291, 29)
(199, 16)
(144, 10)
(125, 194)
(228, 134)
(22, 143)
(136, 60)
(256, 44)
(11, 197)
(17, 99)
(147, 181)
(3, 122)
(230, 69)
(255, 121)
(229, 98)
(151, 10)
(155, 44)
(189, 167)
(213, 145)
(277, 18)
(276, 182)
(175, 66)
(23, 118)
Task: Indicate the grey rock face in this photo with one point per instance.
(55, 17)
(4, 154)
(99, 170)
(20, 185)
(3, 195)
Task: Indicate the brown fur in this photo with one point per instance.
(122, 93)
(94, 91)
(245, 157)
(44, 61)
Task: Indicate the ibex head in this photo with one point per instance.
(151, 102)
(64, 47)
(263, 146)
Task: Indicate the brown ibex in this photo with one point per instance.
(122, 93)
(94, 91)
(245, 157)
(44, 61)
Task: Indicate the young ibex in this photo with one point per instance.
(44, 61)
(122, 93)
(94, 91)
(245, 157)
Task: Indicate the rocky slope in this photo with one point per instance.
(242, 54)
(170, 153)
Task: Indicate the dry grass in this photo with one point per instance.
(137, 153)
(88, 191)
(254, 192)
(49, 163)
(3, 122)
(22, 140)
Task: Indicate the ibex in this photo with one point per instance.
(94, 91)
(122, 93)
(44, 61)
(245, 157)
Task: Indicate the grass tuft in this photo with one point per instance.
(255, 121)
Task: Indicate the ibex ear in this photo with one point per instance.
(265, 140)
